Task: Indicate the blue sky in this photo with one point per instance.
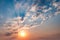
(32, 15)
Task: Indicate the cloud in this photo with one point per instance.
(33, 8)
(8, 34)
(56, 4)
(58, 9)
(35, 15)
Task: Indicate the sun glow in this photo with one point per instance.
(22, 33)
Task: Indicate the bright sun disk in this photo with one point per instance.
(22, 34)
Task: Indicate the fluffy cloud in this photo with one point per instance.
(35, 15)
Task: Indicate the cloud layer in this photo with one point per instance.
(30, 14)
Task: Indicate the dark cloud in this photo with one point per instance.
(8, 34)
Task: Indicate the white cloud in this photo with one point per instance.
(58, 10)
(33, 8)
(46, 10)
(30, 17)
(56, 13)
(55, 4)
(27, 14)
(42, 16)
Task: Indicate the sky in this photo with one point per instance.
(40, 18)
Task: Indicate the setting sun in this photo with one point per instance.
(22, 33)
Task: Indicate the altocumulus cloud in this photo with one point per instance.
(31, 14)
